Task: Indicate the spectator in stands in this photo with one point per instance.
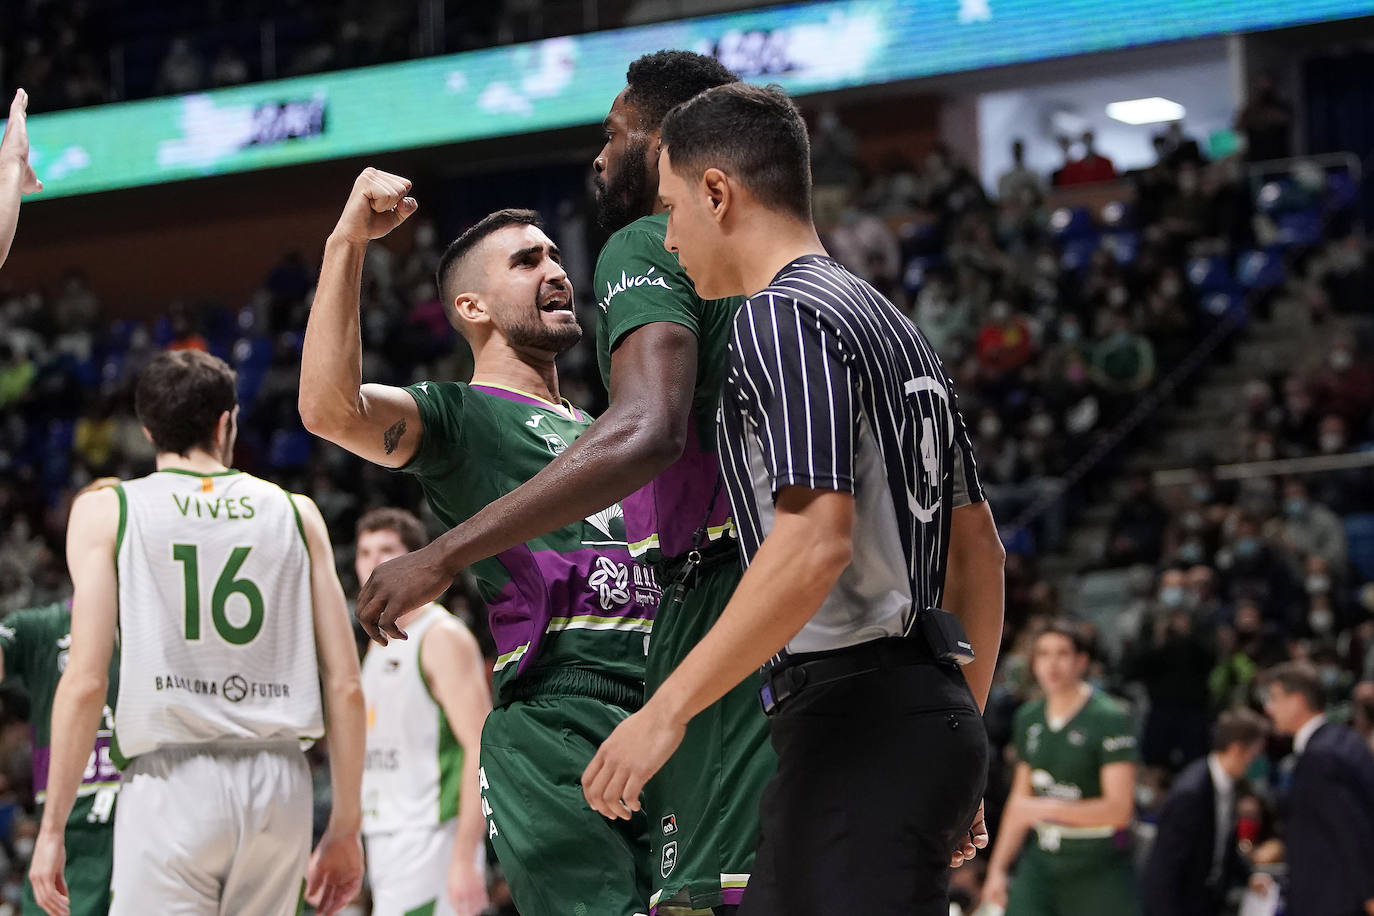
(182, 69)
(834, 167)
(1065, 144)
(229, 69)
(1173, 659)
(1328, 823)
(1018, 182)
(1345, 386)
(1005, 341)
(1092, 167)
(1136, 533)
(1179, 148)
(1362, 707)
(1124, 362)
(1194, 861)
(1309, 528)
(865, 241)
(1266, 122)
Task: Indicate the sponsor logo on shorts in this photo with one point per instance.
(669, 858)
(670, 825)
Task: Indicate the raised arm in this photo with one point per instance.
(653, 376)
(974, 590)
(16, 175)
(454, 670)
(336, 867)
(377, 422)
(80, 698)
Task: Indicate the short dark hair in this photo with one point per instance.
(408, 528)
(180, 396)
(657, 82)
(451, 260)
(1238, 726)
(1301, 678)
(1070, 630)
(754, 134)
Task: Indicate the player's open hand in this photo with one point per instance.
(46, 873)
(398, 587)
(467, 888)
(15, 145)
(635, 751)
(378, 204)
(335, 874)
(976, 839)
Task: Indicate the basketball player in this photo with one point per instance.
(662, 352)
(1074, 789)
(426, 700)
(16, 175)
(230, 618)
(569, 610)
(35, 644)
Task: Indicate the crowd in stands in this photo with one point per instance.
(1053, 321)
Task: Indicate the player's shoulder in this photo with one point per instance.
(641, 240)
(1028, 713)
(55, 616)
(1108, 709)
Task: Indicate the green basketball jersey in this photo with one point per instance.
(1066, 763)
(638, 282)
(572, 598)
(35, 643)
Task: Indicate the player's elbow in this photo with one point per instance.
(831, 554)
(85, 687)
(320, 417)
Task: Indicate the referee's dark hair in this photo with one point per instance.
(657, 82)
(451, 261)
(754, 134)
(1239, 726)
(1073, 632)
(1300, 678)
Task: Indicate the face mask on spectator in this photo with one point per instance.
(1201, 493)
(1041, 424)
(1331, 676)
(1247, 548)
(1171, 596)
(1331, 442)
(1318, 584)
(1341, 360)
(1295, 506)
(1070, 333)
(1190, 552)
(23, 848)
(989, 427)
(1321, 620)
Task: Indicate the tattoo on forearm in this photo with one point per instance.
(392, 437)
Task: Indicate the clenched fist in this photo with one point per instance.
(377, 205)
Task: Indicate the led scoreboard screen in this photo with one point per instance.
(570, 81)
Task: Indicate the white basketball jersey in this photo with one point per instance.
(216, 623)
(413, 768)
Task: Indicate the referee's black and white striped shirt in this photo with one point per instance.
(831, 387)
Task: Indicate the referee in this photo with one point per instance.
(854, 489)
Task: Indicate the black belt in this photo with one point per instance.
(802, 672)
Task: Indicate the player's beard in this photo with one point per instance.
(535, 334)
(626, 198)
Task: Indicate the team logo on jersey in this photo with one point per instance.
(669, 859)
(1033, 738)
(670, 825)
(611, 580)
(603, 521)
(235, 688)
(628, 282)
(555, 443)
(1076, 738)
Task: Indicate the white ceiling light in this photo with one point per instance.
(1145, 111)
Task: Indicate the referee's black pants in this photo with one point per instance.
(878, 776)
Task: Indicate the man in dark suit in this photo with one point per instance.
(1328, 815)
(1194, 861)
